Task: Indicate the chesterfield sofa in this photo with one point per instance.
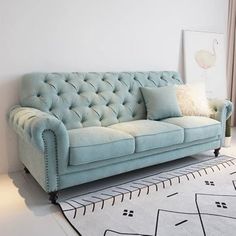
(75, 128)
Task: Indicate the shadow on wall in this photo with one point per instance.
(9, 95)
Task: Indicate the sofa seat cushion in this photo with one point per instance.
(196, 127)
(151, 134)
(93, 144)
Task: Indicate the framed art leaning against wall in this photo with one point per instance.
(205, 61)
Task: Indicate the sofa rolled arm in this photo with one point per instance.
(30, 124)
(221, 109)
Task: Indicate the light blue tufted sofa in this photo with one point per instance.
(74, 128)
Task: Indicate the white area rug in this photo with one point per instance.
(197, 199)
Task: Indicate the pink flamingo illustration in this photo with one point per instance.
(206, 59)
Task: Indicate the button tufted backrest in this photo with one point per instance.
(92, 99)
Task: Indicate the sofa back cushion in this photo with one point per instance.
(92, 99)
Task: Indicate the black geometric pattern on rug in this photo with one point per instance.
(208, 207)
(210, 183)
(128, 213)
(234, 184)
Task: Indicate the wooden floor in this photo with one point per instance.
(25, 210)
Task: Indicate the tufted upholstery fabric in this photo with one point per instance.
(30, 124)
(92, 99)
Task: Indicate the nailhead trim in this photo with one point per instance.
(46, 159)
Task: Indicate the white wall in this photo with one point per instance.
(92, 35)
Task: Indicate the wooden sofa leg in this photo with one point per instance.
(217, 152)
(26, 170)
(53, 196)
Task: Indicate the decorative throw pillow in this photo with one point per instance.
(161, 102)
(192, 100)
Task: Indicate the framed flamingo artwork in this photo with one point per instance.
(205, 61)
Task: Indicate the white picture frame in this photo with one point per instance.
(205, 61)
